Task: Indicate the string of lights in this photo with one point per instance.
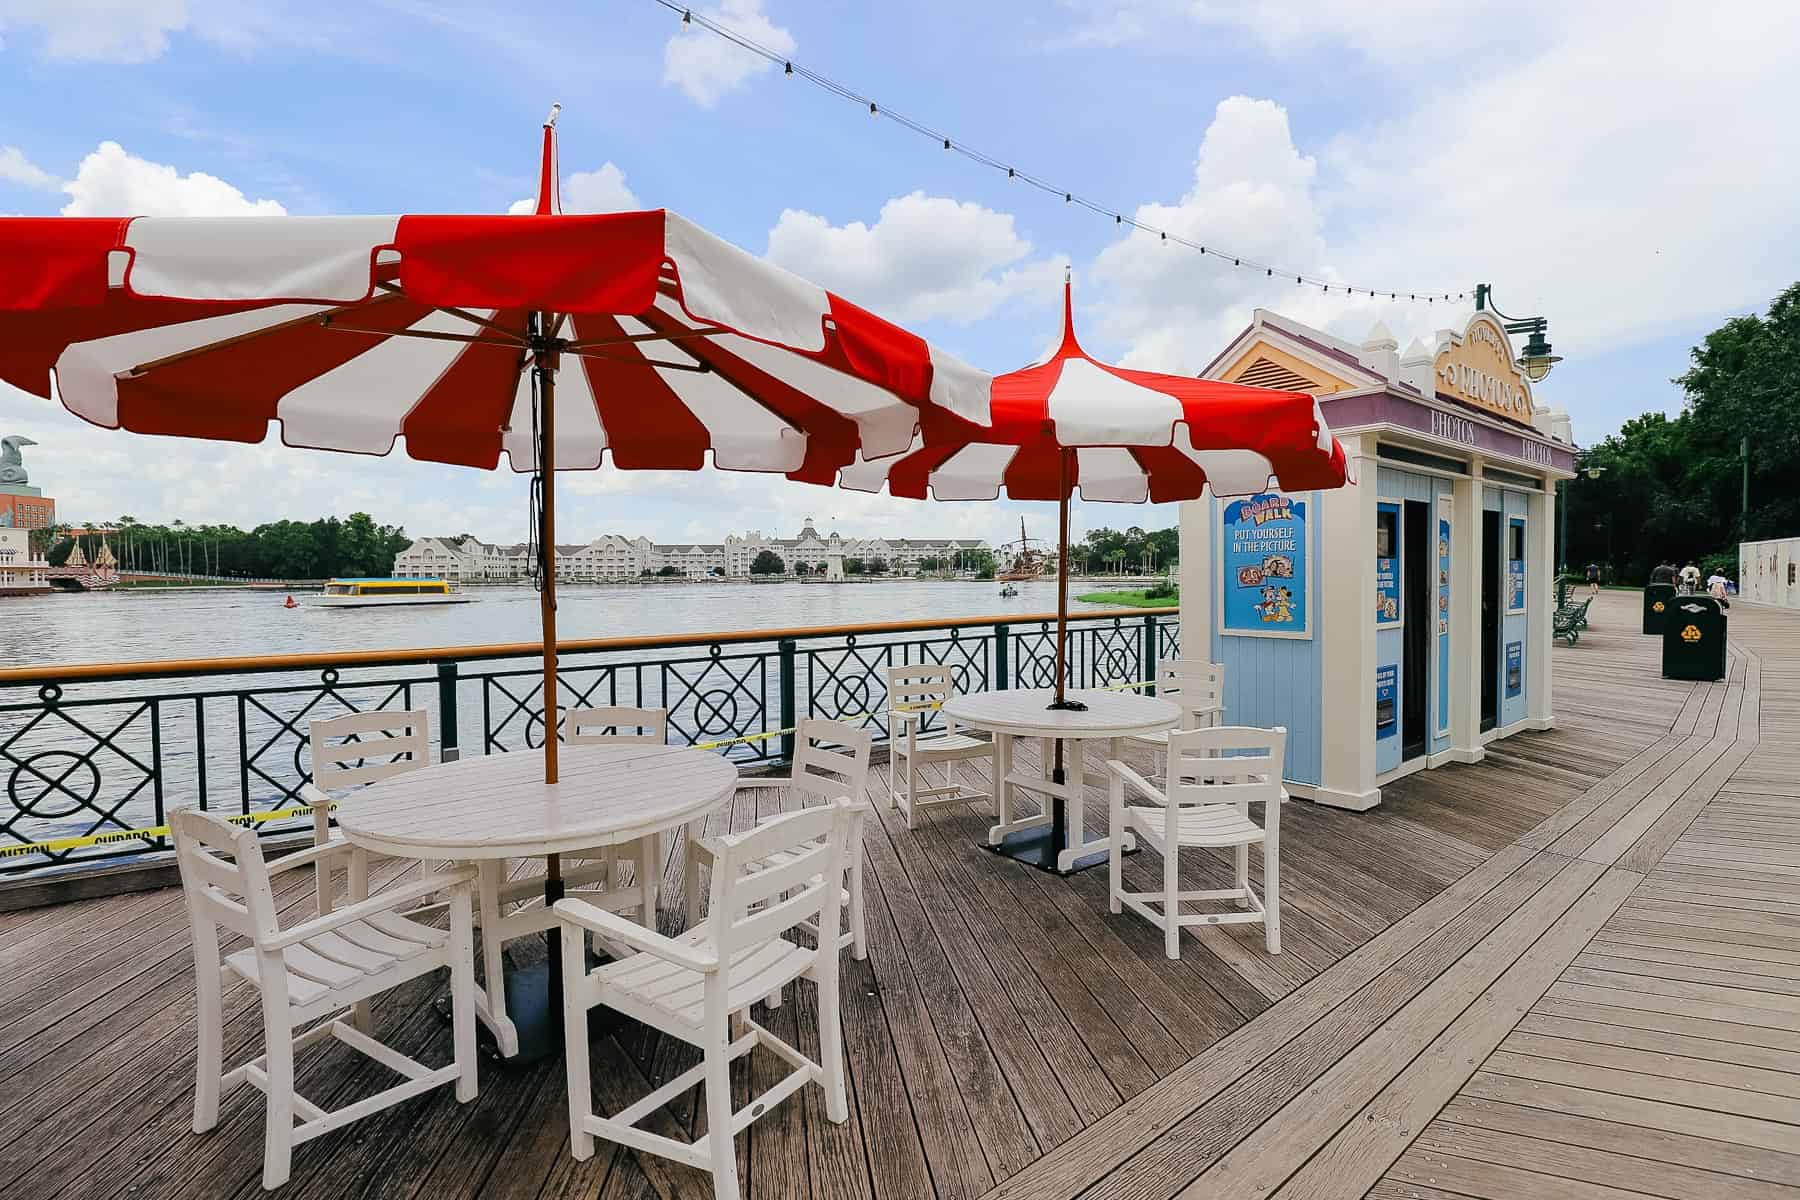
(1014, 173)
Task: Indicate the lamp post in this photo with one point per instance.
(1537, 359)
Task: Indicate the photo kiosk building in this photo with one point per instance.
(1402, 622)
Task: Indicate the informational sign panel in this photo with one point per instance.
(1387, 563)
(1515, 566)
(1443, 614)
(1264, 560)
(1387, 701)
(1515, 669)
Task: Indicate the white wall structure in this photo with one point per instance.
(1769, 572)
(21, 571)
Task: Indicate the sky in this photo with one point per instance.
(1624, 169)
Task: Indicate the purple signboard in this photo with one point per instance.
(1524, 447)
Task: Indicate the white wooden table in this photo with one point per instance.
(1054, 839)
(497, 807)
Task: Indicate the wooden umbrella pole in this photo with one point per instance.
(1062, 590)
(545, 364)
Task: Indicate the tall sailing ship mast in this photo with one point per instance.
(1023, 559)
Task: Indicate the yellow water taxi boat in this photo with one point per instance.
(366, 593)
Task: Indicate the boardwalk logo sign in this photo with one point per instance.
(1264, 565)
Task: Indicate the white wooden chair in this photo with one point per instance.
(1199, 688)
(509, 908)
(699, 987)
(354, 750)
(1215, 775)
(317, 969)
(831, 762)
(914, 692)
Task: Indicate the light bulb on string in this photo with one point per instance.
(1012, 173)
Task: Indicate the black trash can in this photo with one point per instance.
(1693, 639)
(1658, 599)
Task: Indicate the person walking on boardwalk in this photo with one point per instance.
(1690, 580)
(1593, 579)
(1663, 572)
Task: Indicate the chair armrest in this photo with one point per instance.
(906, 716)
(1135, 781)
(310, 794)
(312, 854)
(615, 928)
(461, 879)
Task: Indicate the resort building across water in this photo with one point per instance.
(1403, 622)
(614, 558)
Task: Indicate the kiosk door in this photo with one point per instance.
(1418, 572)
(1490, 619)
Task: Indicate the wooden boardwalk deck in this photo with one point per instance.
(1572, 970)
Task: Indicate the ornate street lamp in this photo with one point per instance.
(1537, 359)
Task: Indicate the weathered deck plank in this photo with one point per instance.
(1480, 997)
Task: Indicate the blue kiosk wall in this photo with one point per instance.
(1394, 488)
(1272, 672)
(1515, 593)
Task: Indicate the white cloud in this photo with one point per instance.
(600, 191)
(97, 30)
(1616, 177)
(1398, 33)
(16, 168)
(706, 66)
(1254, 194)
(924, 258)
(111, 182)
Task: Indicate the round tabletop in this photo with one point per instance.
(498, 805)
(1027, 713)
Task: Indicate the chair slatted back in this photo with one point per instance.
(1194, 684)
(615, 725)
(1230, 764)
(223, 874)
(831, 759)
(754, 903)
(917, 689)
(360, 748)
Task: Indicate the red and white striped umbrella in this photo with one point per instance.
(635, 339)
(1073, 423)
(357, 333)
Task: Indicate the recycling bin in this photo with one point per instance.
(1693, 639)
(1658, 599)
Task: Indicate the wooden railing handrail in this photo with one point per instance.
(265, 663)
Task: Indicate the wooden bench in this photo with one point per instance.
(1570, 620)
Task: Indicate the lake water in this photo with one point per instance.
(106, 755)
(131, 626)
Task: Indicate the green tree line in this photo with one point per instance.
(318, 549)
(1673, 486)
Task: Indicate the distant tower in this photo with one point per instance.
(834, 558)
(22, 506)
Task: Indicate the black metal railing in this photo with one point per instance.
(104, 752)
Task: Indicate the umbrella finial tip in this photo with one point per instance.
(550, 121)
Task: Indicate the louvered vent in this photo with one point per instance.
(1264, 373)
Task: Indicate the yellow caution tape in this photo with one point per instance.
(57, 845)
(154, 831)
